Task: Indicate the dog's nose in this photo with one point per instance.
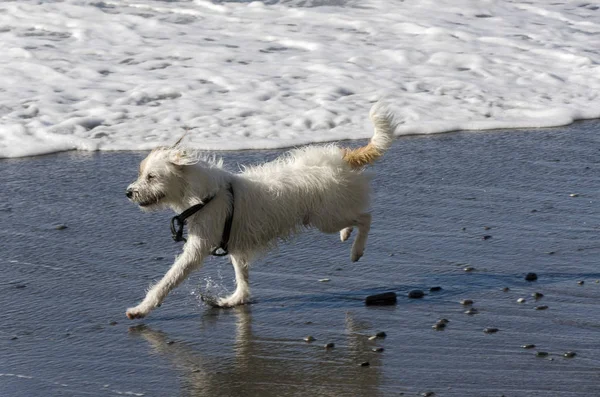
(129, 193)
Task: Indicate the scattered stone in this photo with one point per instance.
(551, 252)
(435, 289)
(541, 354)
(490, 330)
(378, 349)
(14, 338)
(528, 346)
(505, 289)
(542, 307)
(439, 326)
(531, 277)
(472, 311)
(469, 268)
(537, 295)
(466, 302)
(443, 321)
(373, 337)
(61, 227)
(139, 243)
(574, 195)
(521, 300)
(309, 338)
(428, 394)
(324, 280)
(486, 237)
(387, 298)
(580, 282)
(365, 364)
(170, 342)
(159, 258)
(381, 334)
(416, 294)
(113, 323)
(570, 354)
(20, 286)
(308, 322)
(486, 228)
(329, 345)
(391, 254)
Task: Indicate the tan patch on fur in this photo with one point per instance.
(358, 158)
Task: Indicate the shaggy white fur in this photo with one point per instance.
(315, 186)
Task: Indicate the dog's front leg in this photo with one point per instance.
(189, 260)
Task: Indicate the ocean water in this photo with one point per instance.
(130, 75)
(64, 291)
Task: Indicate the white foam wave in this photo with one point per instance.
(128, 75)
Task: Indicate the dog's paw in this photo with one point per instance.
(232, 301)
(345, 234)
(135, 312)
(356, 255)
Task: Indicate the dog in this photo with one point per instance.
(245, 214)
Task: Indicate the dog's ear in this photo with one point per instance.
(182, 157)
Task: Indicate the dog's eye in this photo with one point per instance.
(150, 177)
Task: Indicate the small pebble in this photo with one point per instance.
(580, 282)
(113, 323)
(570, 354)
(329, 345)
(170, 342)
(324, 280)
(308, 322)
(159, 258)
(309, 338)
(416, 294)
(435, 289)
(505, 289)
(486, 237)
(378, 349)
(466, 302)
(443, 321)
(537, 295)
(20, 286)
(14, 338)
(428, 394)
(486, 228)
(372, 337)
(551, 252)
(61, 227)
(365, 364)
(381, 334)
(387, 298)
(439, 326)
(531, 277)
(573, 195)
(469, 269)
(472, 311)
(521, 300)
(490, 330)
(541, 354)
(542, 307)
(528, 346)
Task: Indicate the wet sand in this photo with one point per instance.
(63, 330)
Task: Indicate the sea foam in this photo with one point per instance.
(131, 75)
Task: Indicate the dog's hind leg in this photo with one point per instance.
(345, 233)
(363, 223)
(242, 290)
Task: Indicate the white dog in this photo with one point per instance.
(246, 213)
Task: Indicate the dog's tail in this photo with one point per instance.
(383, 121)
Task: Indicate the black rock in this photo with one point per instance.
(416, 294)
(541, 354)
(542, 307)
(570, 354)
(439, 326)
(330, 345)
(378, 349)
(365, 364)
(537, 295)
(486, 237)
(580, 282)
(490, 330)
(528, 346)
(387, 298)
(531, 277)
(435, 289)
(381, 334)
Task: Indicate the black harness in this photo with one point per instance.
(178, 222)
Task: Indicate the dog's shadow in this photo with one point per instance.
(262, 365)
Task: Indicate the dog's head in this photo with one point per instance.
(160, 180)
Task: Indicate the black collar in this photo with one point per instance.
(178, 222)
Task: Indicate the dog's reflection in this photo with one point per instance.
(265, 366)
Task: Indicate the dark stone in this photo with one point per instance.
(472, 311)
(580, 282)
(61, 227)
(416, 294)
(113, 323)
(528, 346)
(387, 298)
(490, 330)
(170, 342)
(469, 269)
(309, 338)
(443, 321)
(381, 334)
(439, 326)
(541, 354)
(20, 286)
(531, 277)
(537, 295)
(505, 289)
(330, 345)
(543, 307)
(486, 237)
(378, 349)
(466, 302)
(14, 338)
(435, 289)
(570, 354)
(365, 364)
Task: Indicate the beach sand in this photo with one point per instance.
(64, 291)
